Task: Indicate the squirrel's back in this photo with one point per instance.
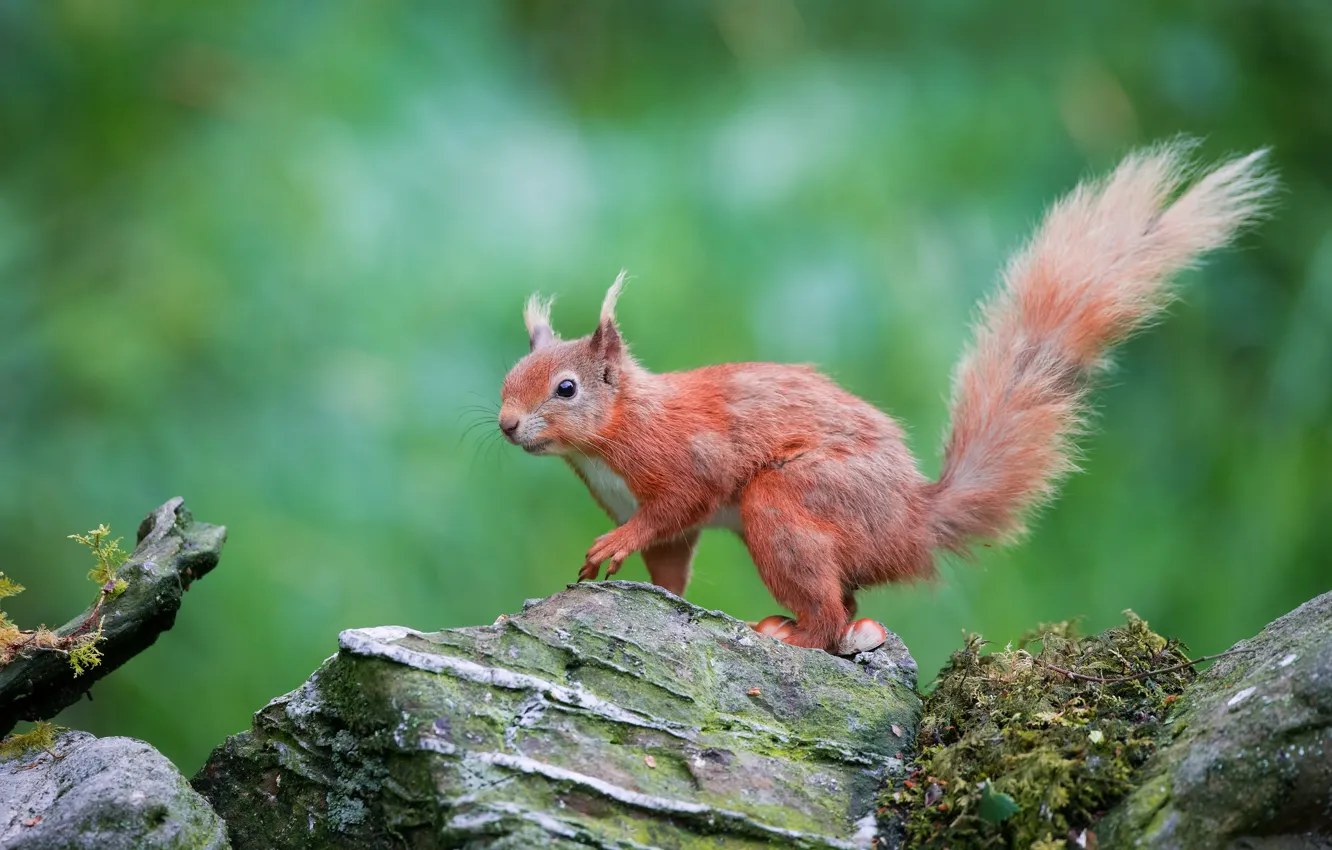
(731, 420)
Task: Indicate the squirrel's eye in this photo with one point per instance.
(566, 389)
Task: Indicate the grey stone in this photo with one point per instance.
(102, 794)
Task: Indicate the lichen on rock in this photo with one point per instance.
(1016, 752)
(611, 714)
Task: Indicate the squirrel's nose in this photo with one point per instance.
(509, 425)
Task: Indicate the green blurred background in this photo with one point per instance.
(265, 255)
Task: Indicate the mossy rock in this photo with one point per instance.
(612, 714)
(1029, 746)
(1249, 762)
(1111, 741)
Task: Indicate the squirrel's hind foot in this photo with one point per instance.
(863, 635)
(776, 626)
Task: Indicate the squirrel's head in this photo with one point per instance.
(558, 397)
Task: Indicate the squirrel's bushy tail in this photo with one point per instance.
(1097, 269)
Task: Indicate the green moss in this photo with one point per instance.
(83, 652)
(40, 738)
(1015, 753)
(9, 587)
(1150, 802)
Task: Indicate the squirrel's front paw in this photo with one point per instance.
(612, 546)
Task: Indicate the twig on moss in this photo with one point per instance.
(1103, 680)
(38, 761)
(108, 589)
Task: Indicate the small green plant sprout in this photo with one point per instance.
(107, 555)
(42, 736)
(80, 646)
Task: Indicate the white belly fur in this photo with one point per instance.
(608, 487)
(612, 492)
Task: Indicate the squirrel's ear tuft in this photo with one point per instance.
(536, 315)
(606, 340)
(612, 295)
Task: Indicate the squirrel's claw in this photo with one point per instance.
(617, 560)
(608, 547)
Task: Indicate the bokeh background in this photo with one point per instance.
(270, 256)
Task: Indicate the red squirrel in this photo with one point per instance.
(820, 484)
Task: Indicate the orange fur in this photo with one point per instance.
(818, 482)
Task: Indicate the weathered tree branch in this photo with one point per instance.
(173, 550)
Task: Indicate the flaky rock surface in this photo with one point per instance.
(611, 714)
(102, 794)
